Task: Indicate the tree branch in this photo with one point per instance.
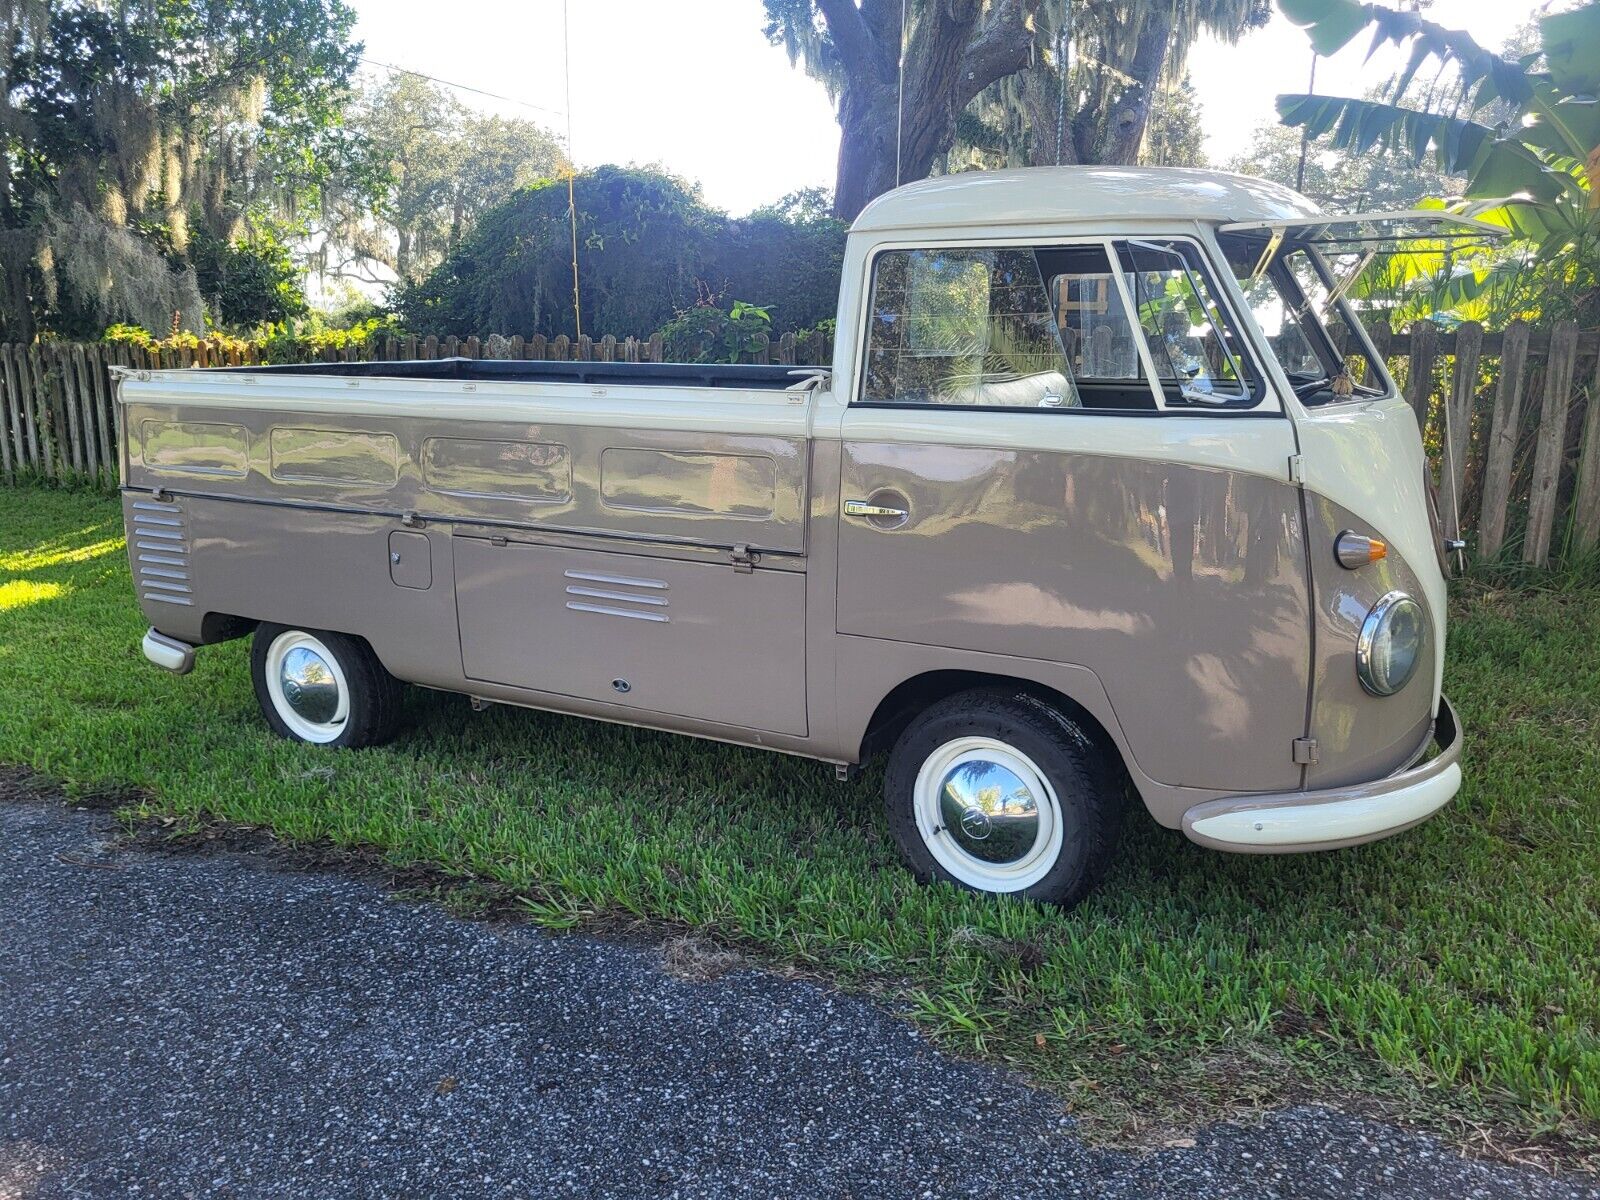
(852, 39)
(1002, 47)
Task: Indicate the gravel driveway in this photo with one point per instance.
(218, 1025)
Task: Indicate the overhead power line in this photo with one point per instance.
(555, 112)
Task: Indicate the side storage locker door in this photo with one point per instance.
(678, 586)
(693, 639)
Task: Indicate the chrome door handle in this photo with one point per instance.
(860, 508)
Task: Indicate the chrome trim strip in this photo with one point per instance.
(616, 612)
(161, 558)
(602, 594)
(168, 547)
(167, 599)
(156, 507)
(622, 580)
(158, 573)
(164, 586)
(170, 535)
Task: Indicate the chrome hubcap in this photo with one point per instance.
(989, 811)
(988, 814)
(309, 686)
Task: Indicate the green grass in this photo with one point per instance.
(1452, 973)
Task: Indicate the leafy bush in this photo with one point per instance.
(649, 249)
(706, 333)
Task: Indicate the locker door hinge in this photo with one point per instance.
(744, 559)
(1304, 751)
(1297, 468)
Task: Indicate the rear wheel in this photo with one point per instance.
(325, 688)
(1000, 793)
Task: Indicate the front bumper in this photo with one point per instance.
(1337, 817)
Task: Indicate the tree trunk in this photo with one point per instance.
(866, 146)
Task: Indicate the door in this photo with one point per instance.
(1017, 479)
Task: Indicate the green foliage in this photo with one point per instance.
(137, 335)
(308, 340)
(127, 124)
(1340, 179)
(1526, 139)
(249, 282)
(440, 165)
(649, 248)
(707, 333)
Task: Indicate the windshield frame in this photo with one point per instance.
(1311, 318)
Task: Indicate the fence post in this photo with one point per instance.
(1419, 373)
(1586, 495)
(1382, 340)
(77, 374)
(96, 359)
(1505, 425)
(1458, 422)
(657, 348)
(1552, 442)
(10, 416)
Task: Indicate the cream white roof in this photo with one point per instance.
(1038, 195)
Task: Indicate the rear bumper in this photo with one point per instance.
(168, 652)
(1337, 817)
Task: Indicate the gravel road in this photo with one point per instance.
(187, 1025)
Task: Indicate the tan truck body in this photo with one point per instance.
(769, 558)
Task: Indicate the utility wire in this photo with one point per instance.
(556, 112)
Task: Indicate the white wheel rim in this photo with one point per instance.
(294, 660)
(972, 789)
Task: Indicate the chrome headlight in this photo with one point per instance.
(1391, 644)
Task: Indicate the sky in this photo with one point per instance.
(695, 87)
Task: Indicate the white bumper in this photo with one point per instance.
(168, 653)
(1338, 817)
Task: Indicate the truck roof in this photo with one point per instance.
(1039, 195)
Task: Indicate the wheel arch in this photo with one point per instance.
(901, 705)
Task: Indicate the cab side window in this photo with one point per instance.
(1198, 355)
(966, 327)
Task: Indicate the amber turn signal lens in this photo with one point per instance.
(1357, 550)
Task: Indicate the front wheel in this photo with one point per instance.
(325, 688)
(1000, 793)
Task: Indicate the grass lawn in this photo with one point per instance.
(1451, 974)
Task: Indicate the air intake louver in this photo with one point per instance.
(160, 553)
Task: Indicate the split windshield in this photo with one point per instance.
(1308, 329)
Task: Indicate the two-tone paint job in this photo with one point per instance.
(683, 558)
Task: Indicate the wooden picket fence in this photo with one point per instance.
(1518, 473)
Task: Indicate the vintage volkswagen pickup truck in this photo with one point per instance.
(1105, 494)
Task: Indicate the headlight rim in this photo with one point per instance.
(1371, 626)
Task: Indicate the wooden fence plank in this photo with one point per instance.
(1505, 426)
(28, 396)
(66, 394)
(1586, 495)
(77, 372)
(102, 408)
(10, 415)
(1458, 424)
(1419, 374)
(1552, 441)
